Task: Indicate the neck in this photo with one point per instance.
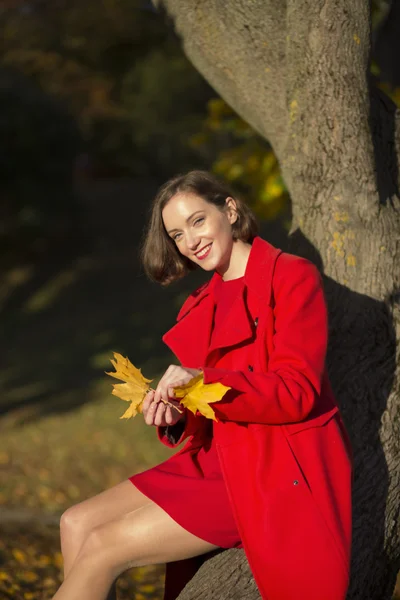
(236, 266)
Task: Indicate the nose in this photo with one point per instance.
(192, 241)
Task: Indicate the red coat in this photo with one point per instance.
(283, 450)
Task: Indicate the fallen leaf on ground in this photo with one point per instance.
(197, 396)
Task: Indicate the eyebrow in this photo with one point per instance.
(187, 220)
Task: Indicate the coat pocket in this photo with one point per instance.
(319, 421)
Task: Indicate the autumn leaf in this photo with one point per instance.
(197, 396)
(135, 387)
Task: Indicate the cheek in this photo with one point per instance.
(223, 228)
(182, 248)
(225, 231)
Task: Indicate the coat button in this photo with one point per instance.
(256, 322)
(295, 482)
(250, 368)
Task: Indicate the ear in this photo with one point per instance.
(231, 210)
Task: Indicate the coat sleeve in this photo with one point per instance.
(289, 389)
(174, 435)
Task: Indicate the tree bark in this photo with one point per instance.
(297, 71)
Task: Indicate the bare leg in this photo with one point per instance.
(79, 520)
(147, 535)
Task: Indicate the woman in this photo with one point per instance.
(273, 474)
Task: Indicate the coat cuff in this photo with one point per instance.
(173, 435)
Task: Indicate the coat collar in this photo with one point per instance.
(189, 339)
(257, 277)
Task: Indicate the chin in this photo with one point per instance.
(206, 266)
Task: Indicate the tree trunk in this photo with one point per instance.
(297, 71)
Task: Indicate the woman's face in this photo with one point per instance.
(200, 230)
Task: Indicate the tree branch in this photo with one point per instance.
(239, 47)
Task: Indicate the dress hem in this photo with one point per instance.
(175, 518)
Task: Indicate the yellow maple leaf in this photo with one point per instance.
(197, 395)
(135, 387)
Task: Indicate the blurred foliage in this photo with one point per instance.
(245, 159)
(41, 141)
(87, 89)
(379, 11)
(122, 74)
(393, 93)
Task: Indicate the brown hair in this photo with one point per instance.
(161, 259)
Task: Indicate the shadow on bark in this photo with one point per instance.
(361, 363)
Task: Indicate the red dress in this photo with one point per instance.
(190, 486)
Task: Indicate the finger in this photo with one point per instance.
(157, 393)
(148, 399)
(173, 376)
(146, 404)
(169, 419)
(163, 390)
(161, 385)
(149, 418)
(159, 417)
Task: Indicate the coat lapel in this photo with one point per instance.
(190, 338)
(237, 326)
(260, 269)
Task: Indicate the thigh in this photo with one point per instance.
(147, 535)
(108, 505)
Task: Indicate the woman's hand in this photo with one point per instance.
(155, 411)
(158, 413)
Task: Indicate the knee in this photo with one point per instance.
(112, 548)
(72, 524)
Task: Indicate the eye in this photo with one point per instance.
(198, 221)
(176, 236)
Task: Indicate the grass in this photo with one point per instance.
(58, 460)
(50, 463)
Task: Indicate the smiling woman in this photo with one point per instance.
(187, 209)
(273, 473)
(202, 233)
